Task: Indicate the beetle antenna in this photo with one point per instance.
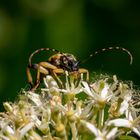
(39, 50)
(109, 49)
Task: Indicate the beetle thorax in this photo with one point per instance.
(65, 61)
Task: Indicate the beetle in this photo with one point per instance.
(57, 64)
(61, 62)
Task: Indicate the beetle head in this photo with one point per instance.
(69, 62)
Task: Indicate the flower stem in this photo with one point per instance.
(101, 118)
(74, 131)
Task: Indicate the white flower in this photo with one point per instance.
(70, 85)
(35, 98)
(125, 104)
(25, 129)
(105, 111)
(134, 120)
(104, 134)
(100, 92)
(126, 123)
(51, 85)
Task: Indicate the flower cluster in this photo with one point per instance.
(101, 110)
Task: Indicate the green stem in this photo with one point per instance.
(101, 119)
(74, 131)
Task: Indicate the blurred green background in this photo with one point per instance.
(76, 26)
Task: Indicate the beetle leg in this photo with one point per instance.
(58, 71)
(54, 70)
(82, 70)
(40, 69)
(29, 76)
(47, 65)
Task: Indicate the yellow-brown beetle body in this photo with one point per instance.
(59, 63)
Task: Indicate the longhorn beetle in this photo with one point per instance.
(61, 62)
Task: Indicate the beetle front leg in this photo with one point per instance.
(58, 71)
(82, 70)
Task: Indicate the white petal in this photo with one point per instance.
(25, 129)
(86, 89)
(120, 123)
(91, 127)
(50, 82)
(124, 107)
(136, 131)
(112, 133)
(36, 120)
(99, 138)
(35, 98)
(129, 115)
(104, 92)
(9, 130)
(77, 90)
(4, 138)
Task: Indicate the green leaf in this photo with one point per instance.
(123, 137)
